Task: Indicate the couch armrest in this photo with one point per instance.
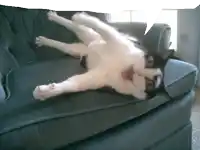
(179, 77)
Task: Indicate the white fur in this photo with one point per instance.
(109, 53)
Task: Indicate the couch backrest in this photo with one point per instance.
(19, 27)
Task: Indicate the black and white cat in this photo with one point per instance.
(111, 58)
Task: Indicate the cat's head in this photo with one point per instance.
(155, 62)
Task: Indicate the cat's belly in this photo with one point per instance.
(98, 52)
(111, 58)
(92, 61)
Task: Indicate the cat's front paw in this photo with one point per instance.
(141, 95)
(80, 17)
(44, 92)
(40, 41)
(51, 15)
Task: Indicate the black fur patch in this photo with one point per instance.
(83, 62)
(154, 60)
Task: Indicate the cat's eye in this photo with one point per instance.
(150, 84)
(149, 62)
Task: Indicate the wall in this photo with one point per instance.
(189, 36)
(13, 2)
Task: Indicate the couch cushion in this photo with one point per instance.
(83, 113)
(136, 134)
(21, 82)
(14, 36)
(20, 27)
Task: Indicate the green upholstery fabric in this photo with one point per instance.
(18, 29)
(70, 118)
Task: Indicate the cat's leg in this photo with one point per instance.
(107, 32)
(85, 34)
(130, 89)
(127, 87)
(150, 73)
(75, 49)
(91, 80)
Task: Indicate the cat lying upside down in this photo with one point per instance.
(112, 60)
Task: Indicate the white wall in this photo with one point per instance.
(189, 36)
(166, 16)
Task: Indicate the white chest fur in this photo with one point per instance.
(114, 57)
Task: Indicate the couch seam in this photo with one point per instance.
(181, 78)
